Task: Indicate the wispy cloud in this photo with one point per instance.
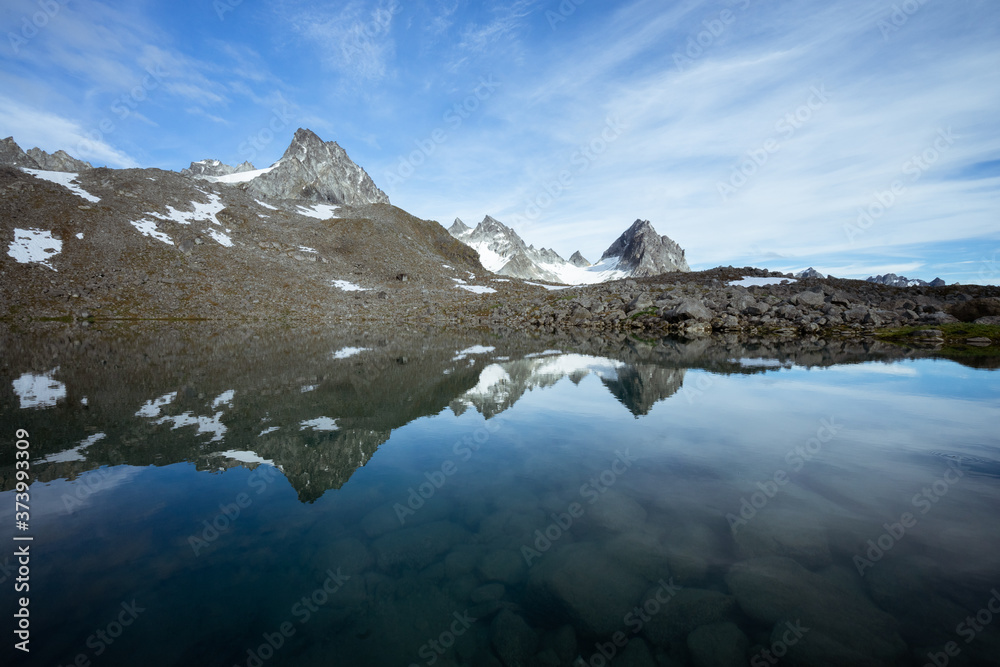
(355, 41)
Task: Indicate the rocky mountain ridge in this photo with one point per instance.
(212, 169)
(638, 252)
(36, 158)
(902, 281)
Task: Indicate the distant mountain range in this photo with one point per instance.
(638, 252)
(902, 281)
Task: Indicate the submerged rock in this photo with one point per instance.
(582, 584)
(718, 645)
(842, 621)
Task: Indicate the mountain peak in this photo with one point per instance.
(642, 252)
(318, 171)
(36, 158)
(459, 228)
(577, 259)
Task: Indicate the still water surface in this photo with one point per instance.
(314, 500)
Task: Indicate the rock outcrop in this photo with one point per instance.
(319, 171)
(211, 169)
(577, 259)
(642, 253)
(11, 154)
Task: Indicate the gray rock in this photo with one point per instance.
(488, 593)
(212, 169)
(417, 547)
(616, 512)
(11, 154)
(576, 259)
(642, 553)
(642, 252)
(843, 622)
(813, 299)
(507, 567)
(688, 609)
(780, 532)
(513, 639)
(58, 161)
(635, 654)
(689, 309)
(718, 645)
(641, 302)
(317, 171)
(581, 584)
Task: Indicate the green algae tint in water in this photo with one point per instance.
(438, 508)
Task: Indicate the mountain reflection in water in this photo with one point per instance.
(483, 500)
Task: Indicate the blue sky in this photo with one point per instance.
(858, 137)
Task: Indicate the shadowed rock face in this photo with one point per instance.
(644, 253)
(11, 154)
(577, 259)
(58, 161)
(313, 170)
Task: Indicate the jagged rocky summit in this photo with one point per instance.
(36, 158)
(810, 273)
(319, 171)
(641, 252)
(902, 281)
(213, 169)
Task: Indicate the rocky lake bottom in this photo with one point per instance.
(294, 496)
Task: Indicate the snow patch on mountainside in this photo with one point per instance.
(64, 179)
(241, 177)
(34, 245)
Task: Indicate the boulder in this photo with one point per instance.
(843, 622)
(718, 645)
(689, 309)
(583, 585)
(513, 639)
(812, 299)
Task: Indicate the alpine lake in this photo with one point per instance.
(209, 495)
